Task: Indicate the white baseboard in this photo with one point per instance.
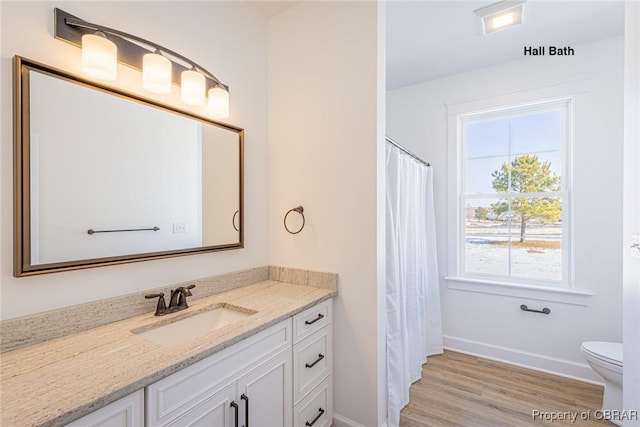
(341, 421)
(538, 362)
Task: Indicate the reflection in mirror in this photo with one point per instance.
(107, 178)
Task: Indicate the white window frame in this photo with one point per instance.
(566, 106)
(509, 103)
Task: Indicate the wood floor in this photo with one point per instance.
(467, 391)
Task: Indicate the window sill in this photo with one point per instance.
(563, 296)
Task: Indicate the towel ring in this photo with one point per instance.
(298, 209)
(233, 220)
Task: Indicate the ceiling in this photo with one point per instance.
(431, 39)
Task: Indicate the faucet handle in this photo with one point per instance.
(188, 290)
(161, 308)
(160, 295)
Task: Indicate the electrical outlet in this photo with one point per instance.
(179, 227)
(635, 245)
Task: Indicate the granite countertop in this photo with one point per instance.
(60, 380)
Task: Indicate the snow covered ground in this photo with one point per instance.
(494, 259)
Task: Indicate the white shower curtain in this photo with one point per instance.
(414, 324)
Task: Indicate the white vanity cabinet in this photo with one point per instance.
(279, 377)
(125, 412)
(252, 377)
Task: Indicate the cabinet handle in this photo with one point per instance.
(234, 405)
(320, 412)
(320, 357)
(320, 316)
(543, 311)
(246, 409)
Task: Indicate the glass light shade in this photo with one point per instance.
(193, 88)
(219, 102)
(156, 73)
(99, 57)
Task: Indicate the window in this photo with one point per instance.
(513, 210)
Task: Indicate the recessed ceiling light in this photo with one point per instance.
(499, 16)
(502, 20)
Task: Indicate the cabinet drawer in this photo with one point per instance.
(185, 389)
(125, 412)
(312, 362)
(310, 320)
(316, 409)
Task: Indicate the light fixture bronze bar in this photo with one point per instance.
(71, 29)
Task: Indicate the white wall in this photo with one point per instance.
(631, 266)
(492, 325)
(324, 88)
(228, 38)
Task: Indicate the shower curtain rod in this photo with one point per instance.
(401, 148)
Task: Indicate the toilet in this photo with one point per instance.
(606, 359)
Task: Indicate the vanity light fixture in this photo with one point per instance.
(499, 16)
(99, 56)
(160, 66)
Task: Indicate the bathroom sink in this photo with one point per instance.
(189, 326)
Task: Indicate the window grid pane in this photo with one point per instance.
(513, 219)
(495, 246)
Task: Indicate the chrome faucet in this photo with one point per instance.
(177, 302)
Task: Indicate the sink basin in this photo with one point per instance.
(189, 326)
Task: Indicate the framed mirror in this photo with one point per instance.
(104, 177)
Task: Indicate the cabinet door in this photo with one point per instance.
(215, 411)
(266, 391)
(126, 412)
